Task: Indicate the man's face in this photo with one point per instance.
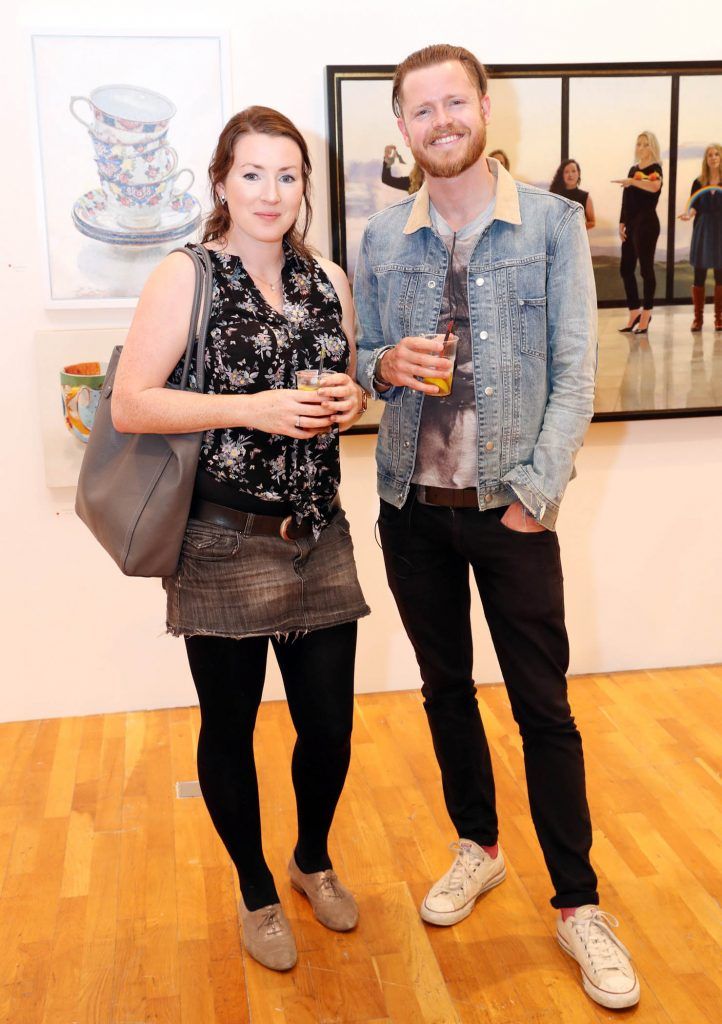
(443, 119)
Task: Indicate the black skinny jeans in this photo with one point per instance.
(642, 235)
(428, 551)
(317, 671)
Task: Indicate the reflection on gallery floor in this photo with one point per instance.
(668, 368)
(117, 901)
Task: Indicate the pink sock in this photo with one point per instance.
(491, 850)
(567, 912)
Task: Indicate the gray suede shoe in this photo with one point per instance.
(332, 903)
(268, 937)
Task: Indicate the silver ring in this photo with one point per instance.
(298, 423)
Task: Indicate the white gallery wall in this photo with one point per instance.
(640, 527)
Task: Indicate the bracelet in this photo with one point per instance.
(377, 378)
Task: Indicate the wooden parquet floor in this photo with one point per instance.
(118, 905)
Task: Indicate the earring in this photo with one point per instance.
(222, 199)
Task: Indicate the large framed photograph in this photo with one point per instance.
(126, 125)
(543, 116)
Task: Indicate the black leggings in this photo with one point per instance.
(642, 235)
(317, 671)
(700, 276)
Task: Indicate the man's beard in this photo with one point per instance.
(439, 166)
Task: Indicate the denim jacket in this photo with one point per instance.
(533, 317)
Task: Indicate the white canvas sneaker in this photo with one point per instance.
(607, 973)
(473, 872)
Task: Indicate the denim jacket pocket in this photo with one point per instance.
(531, 303)
(398, 287)
(533, 320)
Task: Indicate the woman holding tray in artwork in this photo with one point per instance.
(639, 229)
(704, 206)
(267, 556)
(409, 183)
(566, 182)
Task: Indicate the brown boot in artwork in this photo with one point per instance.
(698, 303)
(718, 307)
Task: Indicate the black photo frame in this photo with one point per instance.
(670, 374)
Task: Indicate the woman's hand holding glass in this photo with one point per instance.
(300, 414)
(342, 399)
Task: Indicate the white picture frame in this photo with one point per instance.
(91, 260)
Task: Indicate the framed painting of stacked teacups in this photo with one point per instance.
(126, 125)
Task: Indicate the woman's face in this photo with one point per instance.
(570, 174)
(712, 156)
(264, 187)
(643, 149)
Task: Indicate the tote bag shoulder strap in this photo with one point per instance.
(200, 314)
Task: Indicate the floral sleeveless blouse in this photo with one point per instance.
(251, 347)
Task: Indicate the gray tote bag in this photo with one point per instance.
(134, 490)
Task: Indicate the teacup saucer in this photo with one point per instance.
(92, 217)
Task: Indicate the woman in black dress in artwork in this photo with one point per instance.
(706, 248)
(566, 182)
(639, 229)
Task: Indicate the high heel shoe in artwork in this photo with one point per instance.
(642, 330)
(626, 330)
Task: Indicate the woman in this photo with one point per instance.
(639, 229)
(410, 182)
(267, 555)
(500, 155)
(566, 182)
(706, 248)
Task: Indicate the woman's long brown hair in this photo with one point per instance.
(256, 121)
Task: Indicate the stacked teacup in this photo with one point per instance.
(136, 166)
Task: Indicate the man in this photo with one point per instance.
(475, 479)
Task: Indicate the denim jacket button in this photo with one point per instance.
(432, 284)
(483, 335)
(489, 446)
(487, 497)
(480, 281)
(488, 392)
(521, 302)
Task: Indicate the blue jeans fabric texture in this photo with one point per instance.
(532, 306)
(428, 551)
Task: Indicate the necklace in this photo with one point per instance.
(268, 284)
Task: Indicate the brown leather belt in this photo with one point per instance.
(248, 523)
(449, 497)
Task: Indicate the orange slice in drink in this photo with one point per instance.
(442, 383)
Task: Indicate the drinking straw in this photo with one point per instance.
(452, 293)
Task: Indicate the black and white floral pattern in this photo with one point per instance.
(250, 348)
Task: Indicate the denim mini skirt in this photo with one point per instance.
(229, 584)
